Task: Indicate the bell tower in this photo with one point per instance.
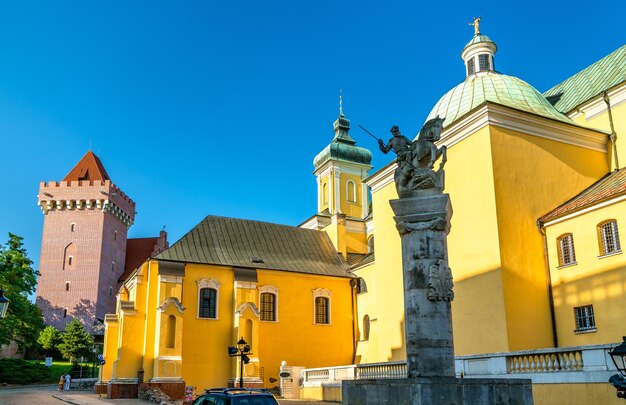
(83, 248)
(342, 196)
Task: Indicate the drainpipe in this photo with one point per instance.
(613, 135)
(542, 231)
(353, 285)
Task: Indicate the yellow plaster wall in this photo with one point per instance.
(594, 279)
(295, 338)
(109, 350)
(351, 209)
(532, 176)
(148, 298)
(366, 305)
(205, 341)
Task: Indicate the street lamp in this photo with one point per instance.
(4, 304)
(241, 350)
(619, 358)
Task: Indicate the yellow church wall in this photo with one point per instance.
(366, 305)
(205, 341)
(294, 337)
(529, 174)
(109, 349)
(147, 298)
(594, 280)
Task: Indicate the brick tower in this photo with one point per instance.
(83, 247)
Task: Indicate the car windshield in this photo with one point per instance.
(255, 400)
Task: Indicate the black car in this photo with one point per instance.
(236, 396)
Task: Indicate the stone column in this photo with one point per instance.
(423, 221)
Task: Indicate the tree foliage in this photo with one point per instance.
(75, 342)
(49, 339)
(18, 279)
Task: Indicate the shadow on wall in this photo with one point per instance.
(59, 317)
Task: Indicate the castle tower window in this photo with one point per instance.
(72, 227)
(608, 237)
(565, 246)
(115, 235)
(67, 286)
(64, 312)
(113, 266)
(70, 259)
(483, 62)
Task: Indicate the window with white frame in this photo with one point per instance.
(351, 191)
(483, 62)
(321, 306)
(268, 303)
(609, 237)
(565, 246)
(585, 319)
(208, 294)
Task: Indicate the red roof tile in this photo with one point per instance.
(138, 250)
(610, 186)
(88, 168)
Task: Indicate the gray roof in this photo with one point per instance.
(261, 245)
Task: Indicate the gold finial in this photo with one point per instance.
(341, 102)
(476, 25)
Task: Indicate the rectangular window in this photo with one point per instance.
(70, 259)
(609, 237)
(208, 303)
(471, 69)
(67, 286)
(565, 245)
(483, 62)
(268, 307)
(64, 312)
(321, 310)
(72, 227)
(585, 319)
(113, 266)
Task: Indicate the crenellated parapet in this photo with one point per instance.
(86, 195)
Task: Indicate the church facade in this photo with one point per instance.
(537, 194)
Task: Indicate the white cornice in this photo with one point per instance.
(345, 167)
(353, 226)
(596, 106)
(316, 222)
(504, 117)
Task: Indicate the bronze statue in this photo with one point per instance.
(416, 159)
(476, 25)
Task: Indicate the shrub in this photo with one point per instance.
(18, 371)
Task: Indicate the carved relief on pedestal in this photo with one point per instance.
(440, 282)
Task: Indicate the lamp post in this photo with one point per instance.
(241, 350)
(619, 358)
(4, 304)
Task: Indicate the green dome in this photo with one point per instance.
(342, 147)
(480, 38)
(497, 88)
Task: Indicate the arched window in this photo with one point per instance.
(171, 332)
(350, 191)
(565, 246)
(268, 306)
(366, 327)
(324, 193)
(208, 298)
(608, 237)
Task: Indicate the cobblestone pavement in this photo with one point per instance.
(48, 395)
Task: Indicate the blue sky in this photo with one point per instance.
(205, 107)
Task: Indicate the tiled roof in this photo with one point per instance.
(365, 259)
(610, 186)
(88, 168)
(589, 82)
(138, 250)
(261, 245)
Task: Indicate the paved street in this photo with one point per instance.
(48, 395)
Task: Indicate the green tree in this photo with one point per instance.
(18, 279)
(49, 339)
(75, 341)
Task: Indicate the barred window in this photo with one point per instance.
(609, 237)
(565, 246)
(321, 310)
(208, 303)
(268, 307)
(483, 62)
(366, 327)
(471, 69)
(585, 319)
